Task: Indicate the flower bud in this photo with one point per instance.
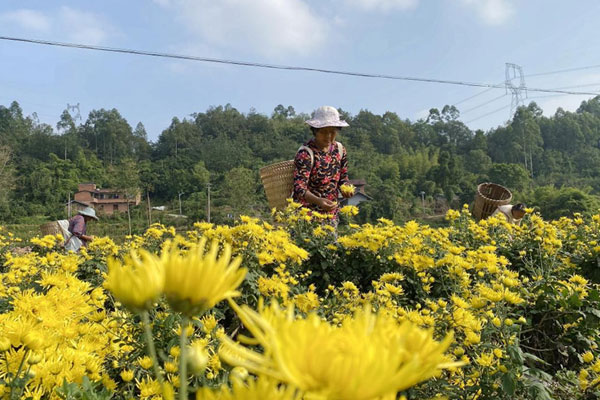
(34, 358)
(197, 358)
(4, 344)
(238, 375)
(32, 341)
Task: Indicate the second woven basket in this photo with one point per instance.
(488, 197)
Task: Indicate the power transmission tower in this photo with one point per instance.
(515, 72)
(77, 116)
(74, 108)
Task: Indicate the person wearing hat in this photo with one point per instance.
(321, 164)
(513, 214)
(78, 228)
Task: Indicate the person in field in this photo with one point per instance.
(513, 214)
(78, 229)
(321, 164)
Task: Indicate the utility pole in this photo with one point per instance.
(149, 208)
(208, 203)
(180, 213)
(69, 206)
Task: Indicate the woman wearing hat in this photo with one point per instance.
(78, 228)
(321, 164)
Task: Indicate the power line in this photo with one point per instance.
(483, 104)
(505, 107)
(472, 97)
(273, 66)
(546, 96)
(560, 71)
(490, 113)
(578, 86)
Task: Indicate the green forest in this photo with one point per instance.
(548, 162)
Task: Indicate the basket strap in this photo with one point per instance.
(340, 148)
(312, 154)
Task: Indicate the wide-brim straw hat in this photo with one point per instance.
(89, 212)
(326, 116)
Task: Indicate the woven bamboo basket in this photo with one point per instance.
(278, 180)
(50, 228)
(488, 197)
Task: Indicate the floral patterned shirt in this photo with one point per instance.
(329, 171)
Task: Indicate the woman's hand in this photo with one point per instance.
(323, 203)
(326, 204)
(87, 238)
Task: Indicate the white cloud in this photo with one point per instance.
(384, 5)
(83, 27)
(492, 12)
(71, 24)
(162, 3)
(272, 28)
(27, 19)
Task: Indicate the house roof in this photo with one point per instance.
(357, 194)
(366, 196)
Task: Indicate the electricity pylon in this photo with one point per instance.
(514, 73)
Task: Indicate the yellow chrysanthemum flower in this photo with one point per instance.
(347, 189)
(588, 357)
(349, 210)
(350, 361)
(126, 375)
(195, 281)
(138, 281)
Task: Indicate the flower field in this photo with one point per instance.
(290, 308)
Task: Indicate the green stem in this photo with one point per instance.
(183, 360)
(151, 349)
(22, 389)
(12, 383)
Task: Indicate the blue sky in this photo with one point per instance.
(466, 40)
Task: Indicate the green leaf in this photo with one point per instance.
(509, 384)
(531, 357)
(594, 312)
(574, 301)
(515, 353)
(594, 295)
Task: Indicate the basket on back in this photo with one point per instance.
(50, 228)
(488, 197)
(278, 180)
